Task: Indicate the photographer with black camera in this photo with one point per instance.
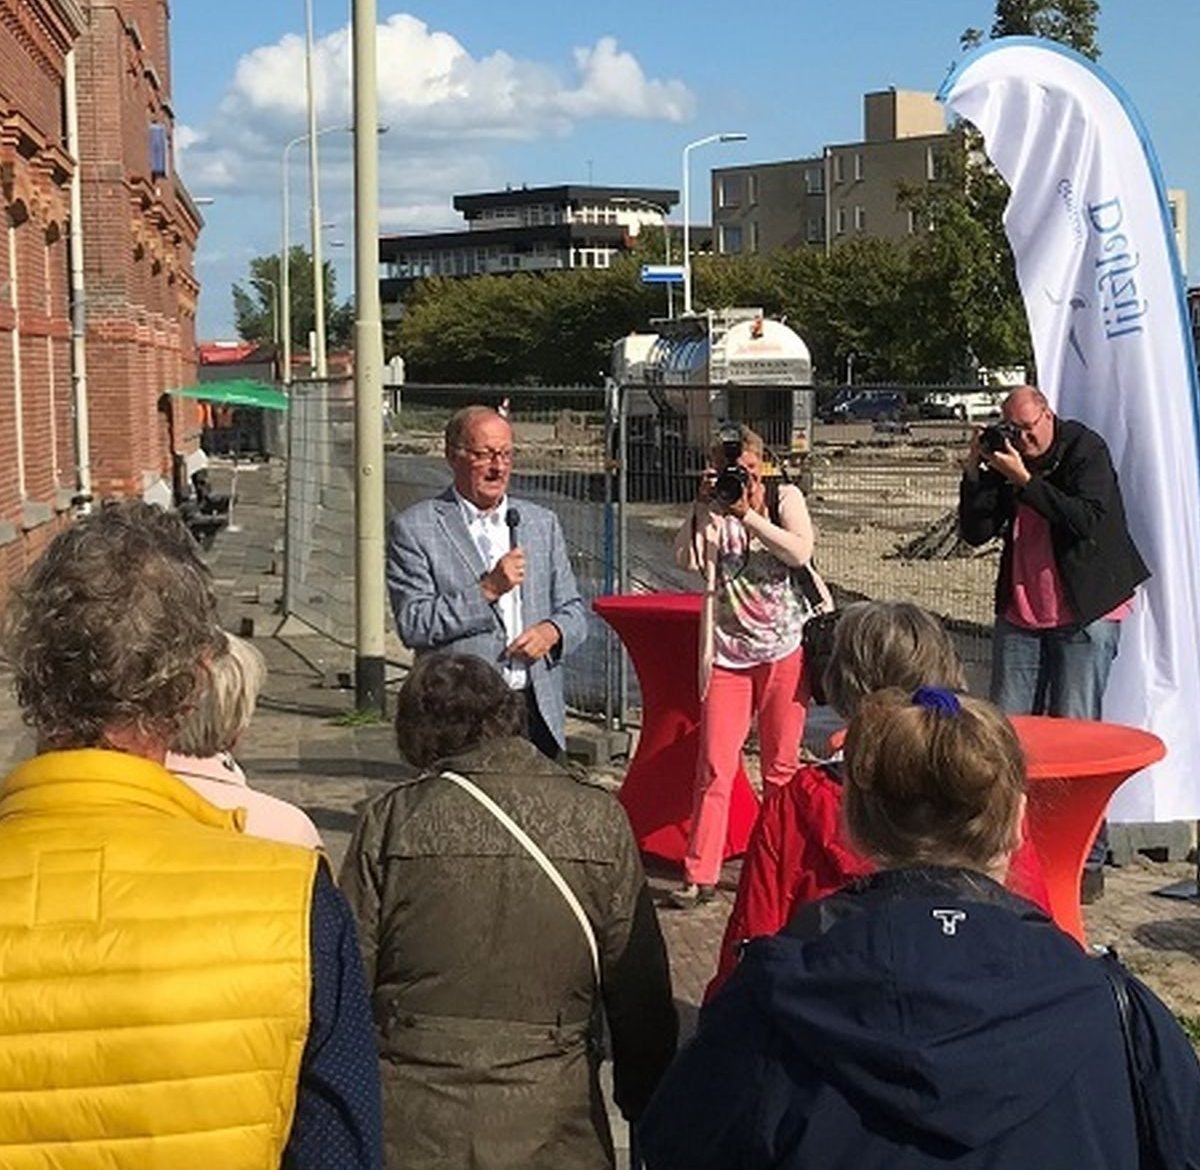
(1068, 569)
(751, 660)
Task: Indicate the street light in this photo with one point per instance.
(736, 136)
(285, 298)
(314, 198)
(662, 209)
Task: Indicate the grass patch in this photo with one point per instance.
(358, 718)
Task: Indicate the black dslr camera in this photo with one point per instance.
(731, 483)
(993, 437)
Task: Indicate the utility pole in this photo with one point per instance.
(369, 466)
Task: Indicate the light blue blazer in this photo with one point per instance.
(433, 571)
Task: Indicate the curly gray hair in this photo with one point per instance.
(112, 628)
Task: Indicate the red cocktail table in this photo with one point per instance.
(1074, 767)
(661, 633)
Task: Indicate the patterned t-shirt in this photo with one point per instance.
(760, 617)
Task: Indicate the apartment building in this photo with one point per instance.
(849, 188)
(526, 229)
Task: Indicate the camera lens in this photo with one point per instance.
(730, 485)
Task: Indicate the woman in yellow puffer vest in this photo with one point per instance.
(174, 995)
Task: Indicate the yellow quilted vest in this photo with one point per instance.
(154, 973)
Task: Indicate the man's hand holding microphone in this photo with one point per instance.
(506, 574)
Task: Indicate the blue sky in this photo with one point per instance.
(479, 95)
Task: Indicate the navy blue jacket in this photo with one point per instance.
(918, 1018)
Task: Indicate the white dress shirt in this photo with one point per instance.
(491, 536)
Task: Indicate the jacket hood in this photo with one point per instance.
(925, 999)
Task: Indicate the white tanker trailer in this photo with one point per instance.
(696, 372)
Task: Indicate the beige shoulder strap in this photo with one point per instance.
(533, 849)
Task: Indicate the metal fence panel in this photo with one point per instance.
(319, 581)
(882, 492)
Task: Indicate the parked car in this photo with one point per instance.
(967, 407)
(828, 411)
(870, 406)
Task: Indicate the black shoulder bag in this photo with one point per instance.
(821, 623)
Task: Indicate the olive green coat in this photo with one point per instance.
(481, 977)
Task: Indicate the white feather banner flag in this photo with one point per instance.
(1096, 258)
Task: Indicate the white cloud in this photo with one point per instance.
(435, 97)
(432, 85)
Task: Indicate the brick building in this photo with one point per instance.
(80, 409)
(140, 230)
(37, 449)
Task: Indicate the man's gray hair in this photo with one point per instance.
(225, 701)
(110, 629)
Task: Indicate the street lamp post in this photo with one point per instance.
(736, 136)
(285, 306)
(314, 198)
(285, 280)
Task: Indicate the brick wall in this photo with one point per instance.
(37, 452)
(140, 239)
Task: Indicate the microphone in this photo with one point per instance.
(512, 518)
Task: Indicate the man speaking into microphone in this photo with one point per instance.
(477, 572)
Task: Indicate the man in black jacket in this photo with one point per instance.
(1068, 570)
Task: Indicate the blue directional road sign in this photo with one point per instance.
(662, 274)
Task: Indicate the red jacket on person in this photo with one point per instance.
(798, 853)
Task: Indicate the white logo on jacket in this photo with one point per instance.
(949, 919)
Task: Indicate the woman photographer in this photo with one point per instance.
(751, 661)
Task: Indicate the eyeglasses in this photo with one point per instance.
(1029, 427)
(488, 454)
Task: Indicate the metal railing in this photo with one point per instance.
(882, 493)
(319, 560)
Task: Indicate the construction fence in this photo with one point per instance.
(620, 466)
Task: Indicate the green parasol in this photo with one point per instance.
(236, 392)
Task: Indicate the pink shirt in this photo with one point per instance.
(220, 780)
(1038, 601)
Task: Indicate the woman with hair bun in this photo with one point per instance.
(799, 851)
(923, 1016)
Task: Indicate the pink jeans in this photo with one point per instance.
(733, 697)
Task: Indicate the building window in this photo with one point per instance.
(159, 151)
(753, 247)
(912, 222)
(840, 222)
(839, 175)
(815, 229)
(751, 189)
(858, 167)
(731, 238)
(860, 217)
(729, 191)
(931, 164)
(814, 180)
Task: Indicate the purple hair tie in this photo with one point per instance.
(937, 699)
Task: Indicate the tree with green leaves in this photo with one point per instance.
(255, 307)
(1070, 22)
